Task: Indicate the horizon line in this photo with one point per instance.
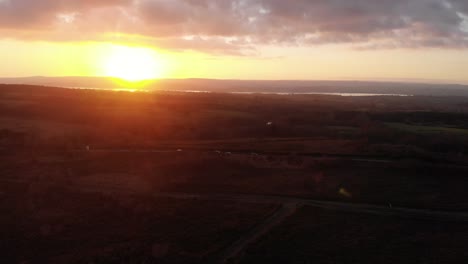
(374, 80)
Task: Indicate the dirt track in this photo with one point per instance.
(237, 248)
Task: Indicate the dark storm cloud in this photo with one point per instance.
(241, 24)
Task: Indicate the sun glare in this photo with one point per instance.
(133, 64)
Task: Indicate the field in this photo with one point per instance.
(428, 129)
(91, 176)
(84, 227)
(321, 236)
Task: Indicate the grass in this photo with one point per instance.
(229, 114)
(41, 223)
(267, 144)
(420, 129)
(315, 235)
(68, 227)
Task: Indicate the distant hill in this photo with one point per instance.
(209, 85)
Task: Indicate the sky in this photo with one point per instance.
(414, 40)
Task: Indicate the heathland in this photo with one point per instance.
(174, 177)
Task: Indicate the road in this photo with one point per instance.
(241, 152)
(277, 199)
(287, 207)
(313, 156)
(234, 251)
(348, 207)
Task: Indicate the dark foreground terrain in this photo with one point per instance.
(116, 177)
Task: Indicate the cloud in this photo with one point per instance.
(238, 26)
(27, 14)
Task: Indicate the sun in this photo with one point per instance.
(133, 64)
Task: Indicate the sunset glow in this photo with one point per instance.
(133, 64)
(234, 131)
(412, 40)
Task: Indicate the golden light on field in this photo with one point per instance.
(133, 64)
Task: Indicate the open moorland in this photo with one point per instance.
(90, 176)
